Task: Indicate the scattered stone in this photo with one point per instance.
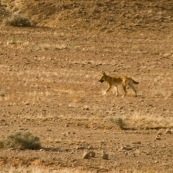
(80, 147)
(127, 147)
(21, 128)
(90, 147)
(136, 142)
(158, 138)
(68, 133)
(105, 156)
(89, 154)
(165, 55)
(168, 131)
(67, 125)
(63, 134)
(148, 153)
(86, 108)
(160, 132)
(27, 103)
(137, 152)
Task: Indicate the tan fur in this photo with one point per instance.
(119, 80)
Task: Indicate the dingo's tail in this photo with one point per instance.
(135, 82)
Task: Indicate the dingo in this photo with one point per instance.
(119, 80)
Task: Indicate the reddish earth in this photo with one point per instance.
(49, 84)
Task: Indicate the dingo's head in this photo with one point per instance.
(102, 79)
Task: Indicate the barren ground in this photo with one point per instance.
(49, 85)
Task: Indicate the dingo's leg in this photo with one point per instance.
(125, 91)
(132, 87)
(107, 90)
(117, 93)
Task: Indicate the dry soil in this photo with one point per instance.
(49, 84)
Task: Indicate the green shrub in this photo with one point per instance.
(17, 20)
(23, 141)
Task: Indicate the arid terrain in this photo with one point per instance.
(49, 85)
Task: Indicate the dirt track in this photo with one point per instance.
(49, 86)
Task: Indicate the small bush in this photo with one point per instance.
(119, 122)
(23, 141)
(17, 20)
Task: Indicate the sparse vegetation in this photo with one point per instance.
(119, 122)
(16, 20)
(20, 140)
(61, 170)
(2, 94)
(49, 85)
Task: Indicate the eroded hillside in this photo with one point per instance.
(104, 15)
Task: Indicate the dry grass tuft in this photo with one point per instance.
(22, 141)
(119, 122)
(16, 20)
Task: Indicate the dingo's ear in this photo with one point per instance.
(103, 73)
